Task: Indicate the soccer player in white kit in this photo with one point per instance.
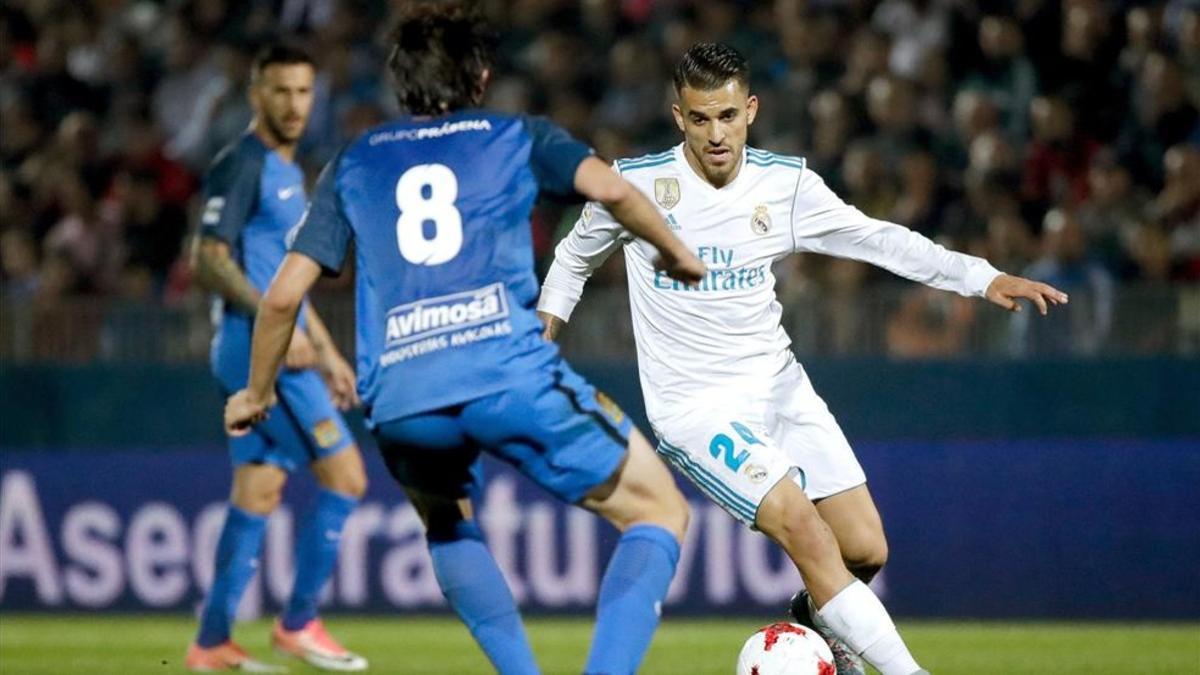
(733, 409)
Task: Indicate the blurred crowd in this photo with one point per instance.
(1058, 138)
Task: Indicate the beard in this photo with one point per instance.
(278, 130)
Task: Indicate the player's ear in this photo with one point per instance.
(678, 116)
(751, 109)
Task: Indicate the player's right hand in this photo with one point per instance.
(243, 411)
(682, 266)
(300, 354)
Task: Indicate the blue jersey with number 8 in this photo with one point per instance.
(439, 209)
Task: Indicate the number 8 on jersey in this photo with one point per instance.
(441, 185)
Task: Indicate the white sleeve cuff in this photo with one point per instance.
(979, 277)
(557, 303)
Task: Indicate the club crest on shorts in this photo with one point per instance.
(760, 222)
(327, 433)
(610, 407)
(666, 192)
(757, 473)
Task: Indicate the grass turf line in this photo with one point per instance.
(45, 644)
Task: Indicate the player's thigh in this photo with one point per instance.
(855, 522)
(317, 428)
(430, 456)
(342, 472)
(641, 491)
(728, 455)
(805, 429)
(555, 428)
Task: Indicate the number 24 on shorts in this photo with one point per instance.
(722, 444)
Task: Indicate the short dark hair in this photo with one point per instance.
(439, 53)
(278, 53)
(709, 65)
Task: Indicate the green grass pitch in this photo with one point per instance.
(102, 644)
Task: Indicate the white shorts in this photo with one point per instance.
(736, 446)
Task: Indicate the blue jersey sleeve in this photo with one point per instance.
(230, 194)
(324, 233)
(554, 157)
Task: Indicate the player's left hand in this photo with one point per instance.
(243, 410)
(301, 353)
(341, 381)
(1006, 289)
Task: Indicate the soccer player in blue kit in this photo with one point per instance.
(254, 194)
(451, 362)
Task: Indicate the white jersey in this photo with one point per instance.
(725, 334)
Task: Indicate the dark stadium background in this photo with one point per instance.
(1025, 467)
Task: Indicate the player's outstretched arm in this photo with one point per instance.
(1006, 289)
(598, 182)
(272, 332)
(823, 223)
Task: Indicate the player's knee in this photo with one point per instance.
(791, 520)
(343, 473)
(447, 530)
(663, 503)
(351, 483)
(674, 513)
(866, 561)
(261, 501)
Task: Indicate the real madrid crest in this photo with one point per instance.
(760, 222)
(666, 192)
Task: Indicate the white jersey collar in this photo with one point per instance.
(690, 172)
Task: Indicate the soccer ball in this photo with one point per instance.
(786, 649)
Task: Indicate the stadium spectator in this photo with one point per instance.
(1178, 207)
(929, 324)
(1113, 209)
(1065, 264)
(1056, 167)
(1005, 74)
(94, 93)
(1160, 117)
(18, 265)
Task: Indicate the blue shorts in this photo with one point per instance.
(304, 426)
(555, 428)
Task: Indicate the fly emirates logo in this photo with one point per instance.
(434, 324)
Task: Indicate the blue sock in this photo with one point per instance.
(316, 554)
(237, 560)
(631, 596)
(475, 588)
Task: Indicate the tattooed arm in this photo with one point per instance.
(217, 272)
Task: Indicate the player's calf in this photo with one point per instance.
(640, 492)
(472, 582)
(788, 517)
(845, 605)
(856, 524)
(644, 503)
(299, 632)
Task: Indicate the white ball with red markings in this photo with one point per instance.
(786, 649)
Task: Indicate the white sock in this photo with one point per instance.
(858, 618)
